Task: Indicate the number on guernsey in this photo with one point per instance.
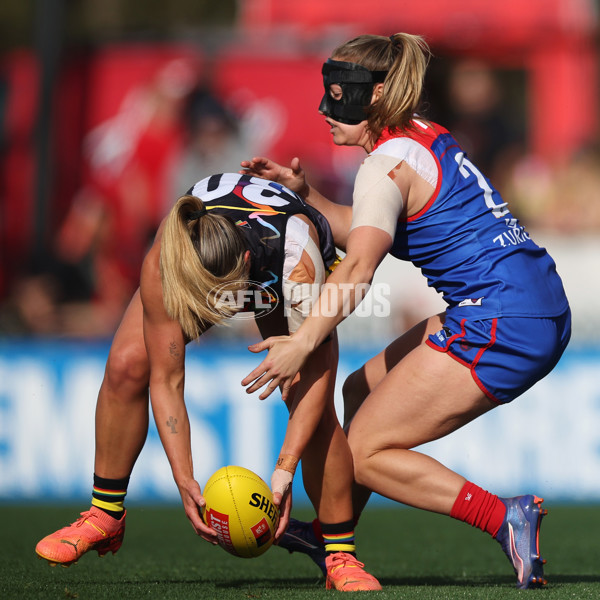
(258, 190)
(466, 167)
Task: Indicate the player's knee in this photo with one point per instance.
(127, 368)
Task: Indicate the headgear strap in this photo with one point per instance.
(196, 214)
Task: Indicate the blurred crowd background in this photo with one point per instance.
(109, 111)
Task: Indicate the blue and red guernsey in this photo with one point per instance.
(466, 242)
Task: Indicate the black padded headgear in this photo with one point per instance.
(357, 84)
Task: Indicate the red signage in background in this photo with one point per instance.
(116, 127)
(118, 130)
(17, 161)
(553, 40)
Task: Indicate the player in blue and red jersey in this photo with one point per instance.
(507, 322)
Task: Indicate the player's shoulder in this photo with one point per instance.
(420, 133)
(412, 147)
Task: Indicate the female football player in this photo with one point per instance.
(231, 232)
(507, 322)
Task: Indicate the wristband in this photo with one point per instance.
(287, 462)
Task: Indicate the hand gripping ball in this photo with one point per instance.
(239, 507)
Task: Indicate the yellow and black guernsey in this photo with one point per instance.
(261, 209)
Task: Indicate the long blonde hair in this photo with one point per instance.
(201, 257)
(405, 57)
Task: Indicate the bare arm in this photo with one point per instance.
(343, 291)
(294, 178)
(339, 216)
(165, 345)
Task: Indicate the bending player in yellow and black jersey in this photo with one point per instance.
(231, 232)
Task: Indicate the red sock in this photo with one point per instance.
(317, 529)
(479, 508)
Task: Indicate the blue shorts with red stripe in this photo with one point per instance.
(506, 355)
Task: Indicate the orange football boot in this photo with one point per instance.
(346, 574)
(94, 530)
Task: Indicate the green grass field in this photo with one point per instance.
(415, 555)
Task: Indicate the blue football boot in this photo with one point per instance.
(519, 536)
(300, 537)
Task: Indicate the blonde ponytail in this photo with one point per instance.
(405, 57)
(201, 258)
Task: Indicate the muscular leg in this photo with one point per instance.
(361, 383)
(122, 407)
(426, 396)
(121, 429)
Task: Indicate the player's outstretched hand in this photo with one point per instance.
(193, 502)
(281, 485)
(279, 368)
(293, 177)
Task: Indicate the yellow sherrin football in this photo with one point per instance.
(239, 507)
